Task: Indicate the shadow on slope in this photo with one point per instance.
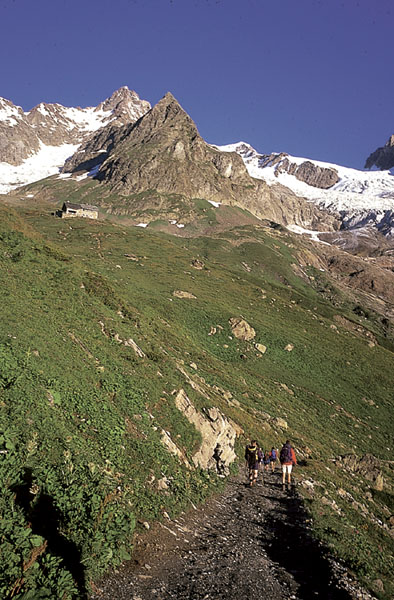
(297, 552)
(45, 520)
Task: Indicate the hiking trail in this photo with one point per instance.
(245, 542)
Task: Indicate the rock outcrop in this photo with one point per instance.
(214, 428)
(307, 171)
(368, 466)
(241, 329)
(383, 157)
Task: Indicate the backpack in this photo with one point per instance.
(252, 454)
(285, 454)
(273, 454)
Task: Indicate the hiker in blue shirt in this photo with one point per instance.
(273, 458)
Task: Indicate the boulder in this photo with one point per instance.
(214, 428)
(163, 484)
(261, 348)
(289, 347)
(181, 294)
(241, 329)
(279, 422)
(197, 264)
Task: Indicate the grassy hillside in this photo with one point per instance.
(82, 413)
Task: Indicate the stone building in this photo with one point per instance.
(79, 210)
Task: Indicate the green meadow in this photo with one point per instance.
(82, 413)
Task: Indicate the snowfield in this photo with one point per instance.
(46, 162)
(356, 191)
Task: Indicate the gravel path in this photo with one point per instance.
(244, 543)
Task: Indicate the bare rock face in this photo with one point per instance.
(214, 428)
(314, 175)
(383, 158)
(368, 466)
(372, 276)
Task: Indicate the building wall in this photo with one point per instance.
(80, 212)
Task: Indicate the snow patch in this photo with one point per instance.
(87, 119)
(46, 162)
(215, 204)
(9, 114)
(142, 225)
(314, 235)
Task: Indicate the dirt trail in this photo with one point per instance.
(244, 543)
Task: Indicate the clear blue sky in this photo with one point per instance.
(310, 77)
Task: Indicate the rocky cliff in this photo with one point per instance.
(308, 172)
(383, 158)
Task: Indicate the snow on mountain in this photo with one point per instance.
(9, 113)
(35, 144)
(42, 164)
(360, 197)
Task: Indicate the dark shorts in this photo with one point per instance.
(254, 467)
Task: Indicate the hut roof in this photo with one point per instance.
(79, 206)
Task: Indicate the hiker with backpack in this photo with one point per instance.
(253, 456)
(266, 461)
(273, 457)
(287, 460)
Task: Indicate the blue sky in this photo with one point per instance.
(310, 77)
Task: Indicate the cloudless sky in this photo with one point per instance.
(313, 78)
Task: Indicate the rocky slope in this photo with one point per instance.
(383, 158)
(164, 152)
(361, 199)
(34, 144)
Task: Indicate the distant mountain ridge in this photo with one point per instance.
(164, 152)
(360, 198)
(35, 144)
(132, 148)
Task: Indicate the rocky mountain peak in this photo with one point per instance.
(390, 141)
(168, 110)
(125, 105)
(162, 155)
(50, 133)
(383, 157)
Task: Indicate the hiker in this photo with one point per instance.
(273, 458)
(253, 458)
(287, 459)
(217, 456)
(266, 461)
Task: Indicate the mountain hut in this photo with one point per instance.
(79, 210)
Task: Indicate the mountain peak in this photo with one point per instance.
(383, 157)
(125, 102)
